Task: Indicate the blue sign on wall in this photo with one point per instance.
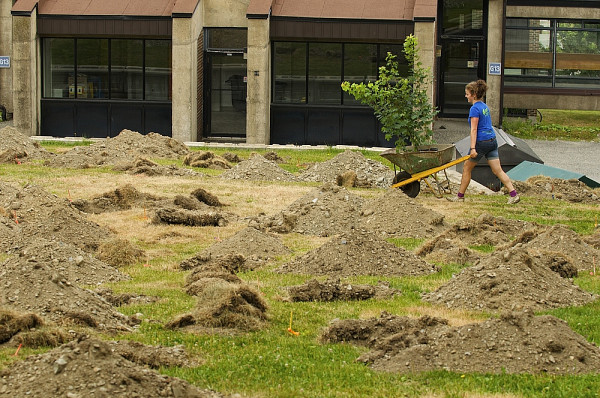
(4, 61)
(495, 68)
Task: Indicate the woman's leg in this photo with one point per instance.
(466, 175)
(497, 170)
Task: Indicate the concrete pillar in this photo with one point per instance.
(24, 73)
(184, 101)
(258, 117)
(494, 54)
(425, 34)
(6, 50)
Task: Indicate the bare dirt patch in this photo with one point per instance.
(358, 252)
(258, 168)
(515, 278)
(92, 367)
(517, 342)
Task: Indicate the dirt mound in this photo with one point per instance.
(334, 290)
(358, 253)
(375, 173)
(30, 284)
(149, 168)
(447, 251)
(74, 264)
(30, 213)
(324, 211)
(16, 147)
(485, 230)
(120, 299)
(122, 198)
(571, 190)
(517, 342)
(256, 248)
(395, 214)
(593, 240)
(562, 239)
(121, 149)
(192, 218)
(257, 168)
(206, 160)
(511, 279)
(152, 356)
(119, 253)
(87, 368)
(224, 305)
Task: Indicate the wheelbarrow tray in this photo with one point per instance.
(414, 160)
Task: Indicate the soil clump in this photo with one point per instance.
(324, 211)
(517, 342)
(258, 168)
(91, 367)
(448, 251)
(358, 252)
(206, 160)
(255, 248)
(149, 168)
(121, 149)
(333, 289)
(394, 214)
(374, 173)
(16, 147)
(512, 279)
(571, 190)
(122, 198)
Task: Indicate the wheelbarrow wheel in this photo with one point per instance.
(412, 189)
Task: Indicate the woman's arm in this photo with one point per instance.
(474, 123)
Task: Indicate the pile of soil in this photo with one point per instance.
(514, 278)
(75, 265)
(258, 168)
(334, 290)
(374, 173)
(191, 218)
(31, 285)
(206, 160)
(571, 190)
(562, 239)
(484, 230)
(121, 149)
(358, 252)
(30, 213)
(119, 253)
(16, 147)
(324, 211)
(149, 168)
(91, 367)
(517, 342)
(593, 240)
(447, 251)
(396, 215)
(120, 299)
(255, 248)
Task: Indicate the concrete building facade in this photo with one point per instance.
(269, 71)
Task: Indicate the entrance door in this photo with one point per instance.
(462, 62)
(225, 95)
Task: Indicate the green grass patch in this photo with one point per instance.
(569, 125)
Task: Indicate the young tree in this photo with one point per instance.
(400, 102)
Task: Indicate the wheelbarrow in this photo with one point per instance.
(422, 163)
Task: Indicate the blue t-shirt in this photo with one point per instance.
(485, 131)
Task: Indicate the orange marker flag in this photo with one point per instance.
(290, 330)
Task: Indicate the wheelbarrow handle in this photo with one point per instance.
(426, 173)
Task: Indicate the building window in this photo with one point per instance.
(120, 69)
(552, 53)
(311, 73)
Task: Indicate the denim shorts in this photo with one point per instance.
(487, 148)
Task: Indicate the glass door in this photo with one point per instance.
(225, 95)
(462, 62)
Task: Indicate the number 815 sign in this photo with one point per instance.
(4, 61)
(495, 68)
